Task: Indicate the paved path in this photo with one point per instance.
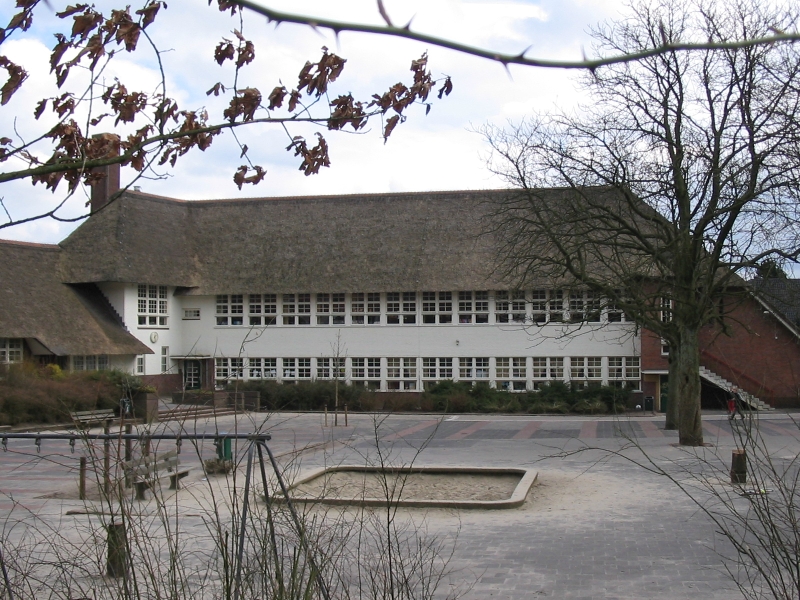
(596, 525)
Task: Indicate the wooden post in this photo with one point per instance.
(128, 452)
(739, 467)
(82, 479)
(345, 414)
(107, 459)
(117, 563)
(326, 415)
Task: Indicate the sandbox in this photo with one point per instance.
(430, 487)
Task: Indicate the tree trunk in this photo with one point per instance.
(672, 390)
(685, 378)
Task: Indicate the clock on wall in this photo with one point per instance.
(154, 337)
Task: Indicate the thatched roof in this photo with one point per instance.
(781, 294)
(381, 242)
(66, 319)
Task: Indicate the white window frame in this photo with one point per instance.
(262, 309)
(152, 305)
(90, 362)
(625, 371)
(11, 350)
(296, 309)
(230, 310)
(164, 359)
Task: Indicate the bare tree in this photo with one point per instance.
(682, 173)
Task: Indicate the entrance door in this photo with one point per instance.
(664, 384)
(191, 375)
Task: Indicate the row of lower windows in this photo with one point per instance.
(517, 373)
(90, 362)
(11, 352)
(409, 308)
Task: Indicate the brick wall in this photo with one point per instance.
(164, 384)
(754, 351)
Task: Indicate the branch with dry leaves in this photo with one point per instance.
(161, 131)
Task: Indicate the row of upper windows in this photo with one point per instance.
(409, 308)
(570, 368)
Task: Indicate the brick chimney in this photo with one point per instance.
(107, 184)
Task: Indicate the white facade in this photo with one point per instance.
(399, 341)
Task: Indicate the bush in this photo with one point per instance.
(553, 397)
(557, 392)
(30, 393)
(446, 396)
(312, 395)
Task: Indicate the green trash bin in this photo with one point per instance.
(224, 448)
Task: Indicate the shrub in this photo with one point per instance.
(538, 408)
(45, 394)
(445, 396)
(590, 407)
(312, 395)
(556, 392)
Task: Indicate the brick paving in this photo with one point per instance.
(596, 526)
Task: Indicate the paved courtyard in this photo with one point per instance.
(596, 524)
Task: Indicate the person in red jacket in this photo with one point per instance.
(734, 404)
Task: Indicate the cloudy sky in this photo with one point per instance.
(437, 152)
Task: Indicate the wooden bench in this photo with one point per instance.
(88, 418)
(145, 472)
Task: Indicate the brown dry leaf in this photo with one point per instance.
(391, 123)
(217, 89)
(58, 51)
(276, 97)
(314, 77)
(84, 24)
(347, 111)
(225, 51)
(446, 88)
(244, 104)
(16, 75)
(148, 13)
(241, 177)
(226, 5)
(40, 108)
(128, 32)
(294, 100)
(71, 10)
(246, 54)
(314, 158)
(166, 109)
(64, 104)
